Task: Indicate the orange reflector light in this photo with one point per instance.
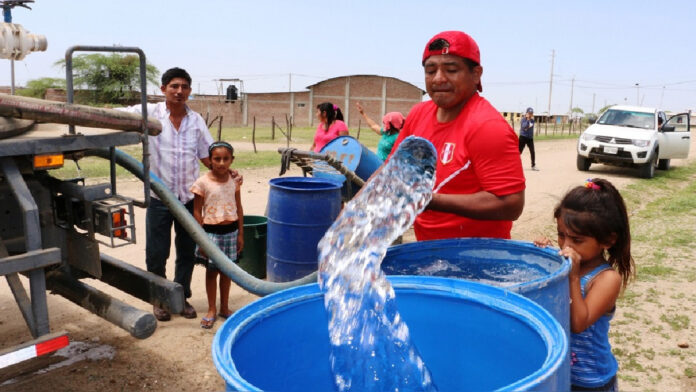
(118, 220)
(49, 161)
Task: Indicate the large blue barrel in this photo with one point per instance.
(471, 336)
(300, 210)
(539, 274)
(354, 156)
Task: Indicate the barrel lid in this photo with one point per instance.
(346, 149)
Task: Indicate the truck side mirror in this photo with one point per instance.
(667, 128)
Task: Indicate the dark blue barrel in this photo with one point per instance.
(300, 210)
(471, 336)
(539, 274)
(354, 156)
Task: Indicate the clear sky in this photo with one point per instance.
(607, 47)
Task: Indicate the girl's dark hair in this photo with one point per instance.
(220, 144)
(597, 210)
(332, 111)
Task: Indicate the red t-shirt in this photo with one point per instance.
(479, 135)
(322, 136)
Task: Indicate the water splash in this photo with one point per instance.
(370, 343)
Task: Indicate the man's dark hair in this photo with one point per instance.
(442, 43)
(175, 73)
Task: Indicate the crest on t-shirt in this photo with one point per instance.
(447, 153)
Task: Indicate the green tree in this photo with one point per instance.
(37, 87)
(578, 110)
(110, 78)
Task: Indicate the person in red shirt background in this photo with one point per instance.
(479, 188)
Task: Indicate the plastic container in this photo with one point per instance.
(471, 336)
(354, 156)
(253, 257)
(539, 274)
(300, 210)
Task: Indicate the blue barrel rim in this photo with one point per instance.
(498, 244)
(499, 299)
(339, 140)
(329, 185)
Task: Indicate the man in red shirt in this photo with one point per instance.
(479, 188)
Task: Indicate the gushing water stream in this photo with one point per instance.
(370, 344)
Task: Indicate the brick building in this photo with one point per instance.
(378, 94)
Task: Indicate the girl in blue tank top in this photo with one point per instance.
(593, 231)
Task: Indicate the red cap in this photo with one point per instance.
(460, 44)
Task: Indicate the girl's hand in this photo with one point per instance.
(360, 108)
(240, 244)
(574, 257)
(542, 242)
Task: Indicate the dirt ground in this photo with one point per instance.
(178, 355)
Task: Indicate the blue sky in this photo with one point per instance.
(606, 46)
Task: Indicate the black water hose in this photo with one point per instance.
(246, 281)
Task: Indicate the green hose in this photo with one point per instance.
(246, 281)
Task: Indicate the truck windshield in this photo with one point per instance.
(626, 118)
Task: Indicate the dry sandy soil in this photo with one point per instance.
(178, 355)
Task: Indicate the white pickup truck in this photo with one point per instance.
(635, 136)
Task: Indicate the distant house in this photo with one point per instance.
(378, 94)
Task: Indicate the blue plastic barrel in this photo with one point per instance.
(299, 210)
(354, 156)
(539, 274)
(471, 336)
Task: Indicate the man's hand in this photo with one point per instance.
(238, 178)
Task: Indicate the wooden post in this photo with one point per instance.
(290, 131)
(554, 127)
(287, 135)
(253, 134)
(359, 125)
(220, 129)
(272, 127)
(546, 125)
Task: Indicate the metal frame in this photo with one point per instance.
(34, 308)
(143, 102)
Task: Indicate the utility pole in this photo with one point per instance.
(662, 95)
(292, 99)
(637, 94)
(572, 84)
(593, 101)
(553, 54)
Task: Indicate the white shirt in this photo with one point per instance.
(175, 155)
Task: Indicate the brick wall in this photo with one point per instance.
(378, 94)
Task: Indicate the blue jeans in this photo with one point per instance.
(158, 239)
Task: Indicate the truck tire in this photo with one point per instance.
(663, 164)
(583, 163)
(647, 170)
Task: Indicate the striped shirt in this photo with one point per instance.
(593, 364)
(175, 155)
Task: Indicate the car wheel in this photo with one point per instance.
(663, 164)
(583, 163)
(648, 169)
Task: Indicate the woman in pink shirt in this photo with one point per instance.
(330, 126)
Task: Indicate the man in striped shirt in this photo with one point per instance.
(174, 159)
